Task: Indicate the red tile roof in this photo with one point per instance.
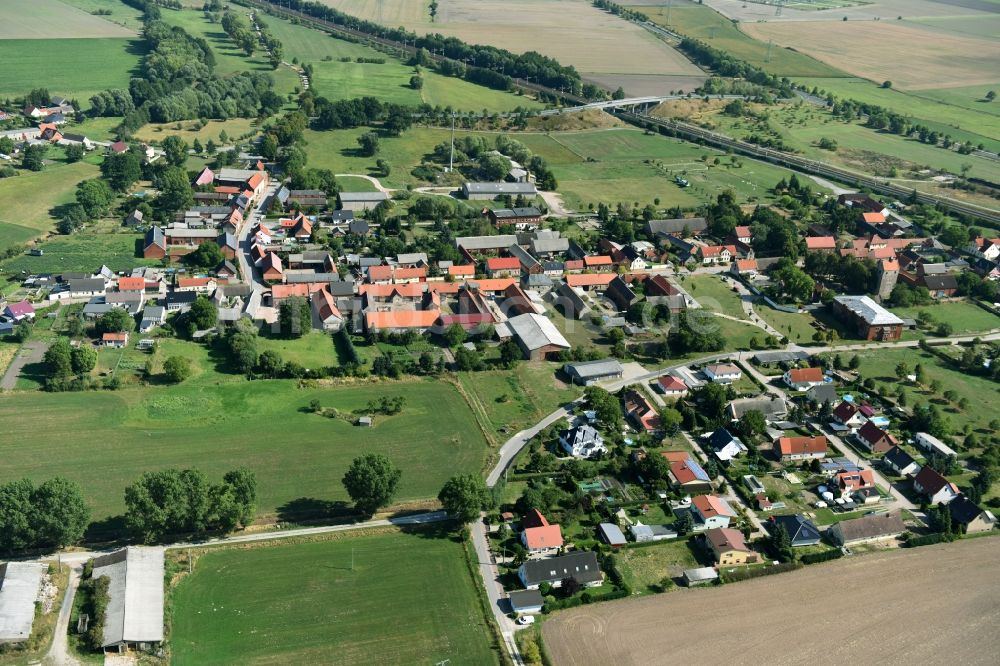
(821, 243)
(710, 506)
(131, 284)
(401, 319)
(503, 264)
(537, 538)
(589, 279)
(671, 383)
(793, 446)
(802, 375)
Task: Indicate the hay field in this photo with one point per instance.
(808, 616)
(51, 19)
(913, 58)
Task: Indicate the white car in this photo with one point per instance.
(526, 619)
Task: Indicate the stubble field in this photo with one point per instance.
(51, 19)
(806, 617)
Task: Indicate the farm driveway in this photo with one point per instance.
(32, 352)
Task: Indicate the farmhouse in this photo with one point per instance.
(19, 586)
(867, 528)
(869, 319)
(588, 372)
(489, 191)
(582, 566)
(134, 616)
(729, 547)
(519, 218)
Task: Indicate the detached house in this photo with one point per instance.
(725, 445)
(900, 462)
(541, 538)
(582, 441)
(848, 415)
(686, 474)
(581, 566)
(802, 448)
(723, 373)
(970, 517)
(801, 531)
(729, 547)
(873, 439)
(640, 412)
(801, 379)
(672, 386)
(867, 528)
(710, 512)
(936, 488)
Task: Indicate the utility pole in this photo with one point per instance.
(670, 4)
(770, 43)
(352, 558)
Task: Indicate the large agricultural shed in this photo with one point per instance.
(135, 596)
(19, 585)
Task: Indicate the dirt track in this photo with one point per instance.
(937, 604)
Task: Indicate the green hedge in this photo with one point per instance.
(928, 540)
(757, 572)
(813, 558)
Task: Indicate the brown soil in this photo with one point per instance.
(936, 604)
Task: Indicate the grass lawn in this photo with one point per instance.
(355, 184)
(299, 457)
(189, 130)
(103, 243)
(121, 13)
(965, 317)
(981, 393)
(313, 350)
(714, 294)
(645, 567)
(704, 23)
(531, 390)
(347, 597)
(96, 129)
(69, 67)
(829, 517)
(25, 217)
(795, 327)
(388, 81)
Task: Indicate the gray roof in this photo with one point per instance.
(506, 213)
(87, 284)
(779, 356)
(411, 258)
(676, 225)
(363, 196)
(769, 407)
(869, 310)
(523, 256)
(581, 565)
(19, 586)
(236, 174)
(801, 531)
(822, 393)
(500, 188)
(870, 527)
(547, 245)
(612, 534)
(525, 599)
(701, 574)
(153, 313)
(135, 595)
(486, 242)
(536, 331)
(607, 367)
(154, 236)
(181, 232)
(341, 215)
(296, 278)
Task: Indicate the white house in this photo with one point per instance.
(710, 512)
(582, 441)
(722, 373)
(936, 488)
(801, 379)
(725, 445)
(932, 444)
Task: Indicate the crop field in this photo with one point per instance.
(912, 57)
(105, 243)
(51, 19)
(299, 457)
(28, 217)
(192, 129)
(333, 597)
(124, 15)
(704, 23)
(870, 10)
(601, 46)
(388, 81)
(68, 67)
(958, 600)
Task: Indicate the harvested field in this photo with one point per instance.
(51, 19)
(807, 616)
(602, 47)
(582, 120)
(912, 57)
(884, 9)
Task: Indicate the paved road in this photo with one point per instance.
(58, 654)
(31, 352)
(494, 589)
(248, 273)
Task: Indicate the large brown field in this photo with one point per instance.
(884, 10)
(913, 57)
(602, 47)
(51, 19)
(936, 604)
